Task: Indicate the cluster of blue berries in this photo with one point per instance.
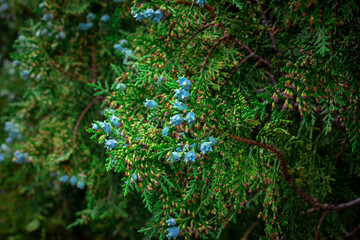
(173, 232)
(121, 46)
(86, 26)
(149, 14)
(25, 73)
(108, 128)
(20, 157)
(14, 132)
(73, 181)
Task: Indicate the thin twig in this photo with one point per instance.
(304, 196)
(52, 62)
(237, 67)
(82, 116)
(242, 45)
(319, 225)
(271, 32)
(352, 232)
(341, 149)
(212, 50)
(197, 31)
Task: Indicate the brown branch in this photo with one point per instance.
(341, 149)
(242, 45)
(237, 67)
(197, 31)
(352, 232)
(271, 32)
(304, 196)
(319, 225)
(82, 116)
(93, 56)
(52, 62)
(212, 50)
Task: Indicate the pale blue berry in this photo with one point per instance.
(179, 105)
(151, 104)
(16, 63)
(190, 156)
(47, 17)
(185, 83)
(105, 18)
(176, 120)
(2, 157)
(73, 180)
(121, 86)
(157, 16)
(91, 16)
(165, 131)
(205, 147)
(175, 157)
(95, 127)
(173, 233)
(106, 127)
(149, 13)
(80, 185)
(110, 144)
(212, 140)
(64, 178)
(182, 94)
(171, 222)
(115, 121)
(25, 73)
(190, 118)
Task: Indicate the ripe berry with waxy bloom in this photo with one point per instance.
(80, 185)
(157, 16)
(180, 105)
(73, 180)
(173, 233)
(165, 131)
(171, 222)
(185, 83)
(115, 121)
(190, 118)
(151, 104)
(106, 127)
(205, 147)
(47, 17)
(212, 140)
(175, 157)
(110, 144)
(182, 94)
(149, 13)
(105, 18)
(64, 178)
(121, 86)
(91, 16)
(190, 156)
(95, 127)
(25, 73)
(176, 120)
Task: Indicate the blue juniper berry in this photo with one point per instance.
(80, 185)
(175, 157)
(176, 120)
(91, 16)
(151, 104)
(190, 118)
(73, 180)
(173, 233)
(105, 18)
(157, 16)
(171, 222)
(205, 147)
(64, 178)
(212, 140)
(190, 156)
(110, 144)
(180, 105)
(182, 94)
(165, 131)
(149, 13)
(185, 83)
(115, 121)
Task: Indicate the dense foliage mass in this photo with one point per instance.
(182, 120)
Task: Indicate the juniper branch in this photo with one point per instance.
(212, 50)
